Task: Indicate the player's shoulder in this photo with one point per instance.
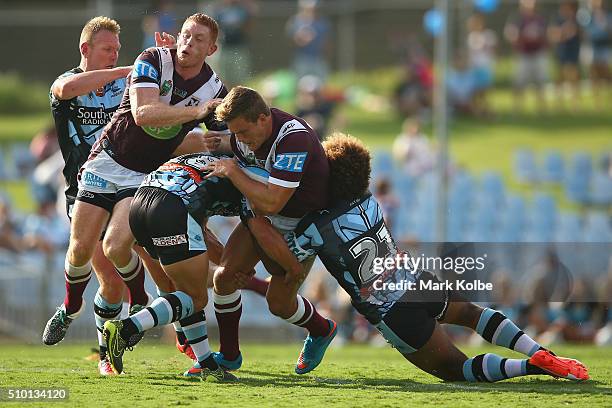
(290, 129)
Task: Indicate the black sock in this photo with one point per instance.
(128, 329)
(209, 362)
(182, 339)
(534, 370)
(103, 353)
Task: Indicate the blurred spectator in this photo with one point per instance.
(481, 45)
(44, 230)
(413, 94)
(163, 19)
(527, 34)
(599, 30)
(44, 144)
(314, 105)
(565, 34)
(310, 35)
(47, 181)
(389, 203)
(575, 321)
(235, 18)
(462, 88)
(411, 149)
(9, 232)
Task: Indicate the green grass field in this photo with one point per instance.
(351, 376)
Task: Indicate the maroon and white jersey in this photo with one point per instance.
(294, 157)
(145, 148)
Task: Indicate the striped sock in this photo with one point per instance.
(77, 278)
(103, 311)
(306, 316)
(228, 309)
(194, 327)
(164, 310)
(496, 328)
(133, 274)
(177, 326)
(491, 367)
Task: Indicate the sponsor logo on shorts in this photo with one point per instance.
(90, 179)
(170, 241)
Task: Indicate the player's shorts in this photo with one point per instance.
(102, 179)
(407, 326)
(162, 225)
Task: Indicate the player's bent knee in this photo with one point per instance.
(80, 252)
(223, 281)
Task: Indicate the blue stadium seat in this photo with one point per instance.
(597, 228)
(525, 167)
(382, 164)
(493, 187)
(553, 167)
(578, 178)
(600, 189)
(3, 175)
(569, 228)
(543, 219)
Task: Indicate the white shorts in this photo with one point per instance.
(102, 174)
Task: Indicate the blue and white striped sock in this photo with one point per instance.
(103, 311)
(164, 310)
(491, 367)
(194, 327)
(177, 325)
(496, 328)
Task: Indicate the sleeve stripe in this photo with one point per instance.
(144, 85)
(283, 183)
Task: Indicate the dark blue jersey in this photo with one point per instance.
(350, 239)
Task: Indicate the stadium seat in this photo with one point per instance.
(569, 228)
(525, 167)
(600, 189)
(382, 164)
(578, 178)
(553, 167)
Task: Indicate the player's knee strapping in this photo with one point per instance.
(496, 328)
(491, 367)
(194, 327)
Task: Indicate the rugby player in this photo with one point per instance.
(348, 237)
(291, 152)
(83, 99)
(168, 218)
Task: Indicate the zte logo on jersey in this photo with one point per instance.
(144, 69)
(293, 162)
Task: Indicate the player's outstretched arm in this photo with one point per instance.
(81, 84)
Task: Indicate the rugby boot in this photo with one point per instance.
(314, 349)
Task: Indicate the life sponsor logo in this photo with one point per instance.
(170, 241)
(293, 162)
(94, 116)
(92, 180)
